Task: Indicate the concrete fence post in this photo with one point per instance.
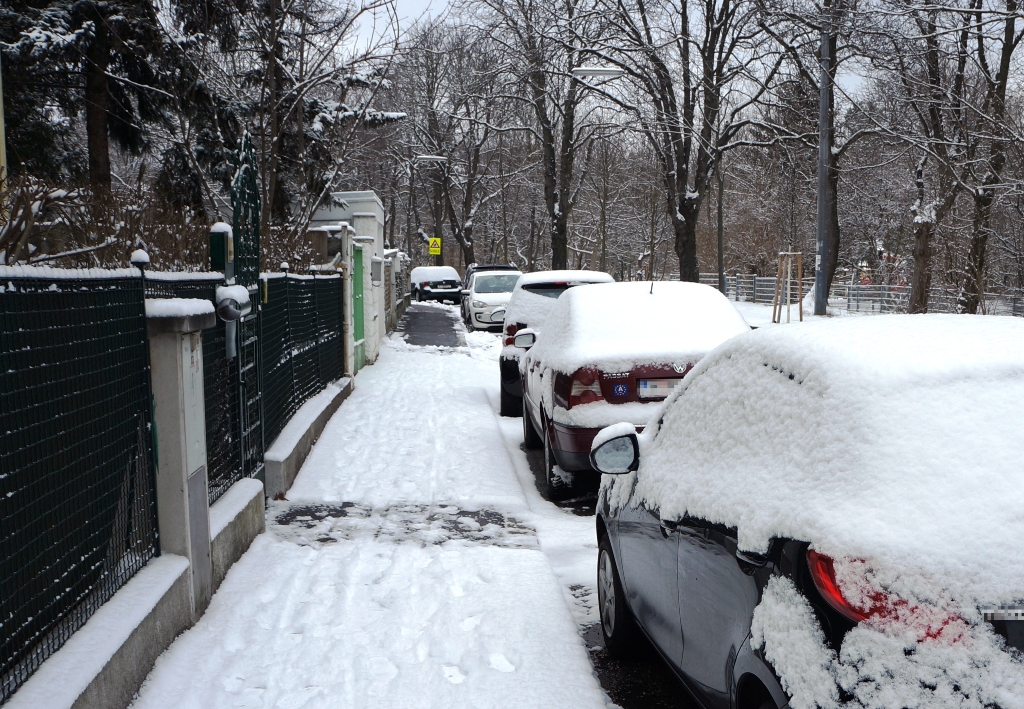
(183, 512)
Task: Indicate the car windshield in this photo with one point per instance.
(496, 284)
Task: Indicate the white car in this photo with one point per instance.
(612, 352)
(438, 283)
(487, 292)
(534, 296)
(828, 514)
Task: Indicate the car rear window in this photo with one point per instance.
(496, 284)
(549, 290)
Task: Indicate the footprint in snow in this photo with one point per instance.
(501, 663)
(453, 674)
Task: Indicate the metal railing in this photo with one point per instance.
(77, 477)
(862, 298)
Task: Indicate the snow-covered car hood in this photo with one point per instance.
(893, 439)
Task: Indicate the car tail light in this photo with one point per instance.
(880, 608)
(586, 387)
(425, 284)
(511, 329)
(824, 574)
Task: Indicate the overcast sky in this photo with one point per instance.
(408, 12)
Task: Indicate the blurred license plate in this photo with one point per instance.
(655, 388)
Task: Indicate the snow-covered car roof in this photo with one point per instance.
(531, 308)
(896, 439)
(570, 276)
(617, 326)
(433, 273)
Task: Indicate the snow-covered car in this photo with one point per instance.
(612, 352)
(828, 514)
(487, 292)
(439, 283)
(534, 296)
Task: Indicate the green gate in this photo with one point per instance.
(358, 313)
(245, 201)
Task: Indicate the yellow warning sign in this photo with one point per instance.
(435, 247)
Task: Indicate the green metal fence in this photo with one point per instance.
(77, 500)
(302, 348)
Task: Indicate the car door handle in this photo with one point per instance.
(749, 561)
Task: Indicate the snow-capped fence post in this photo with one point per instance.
(175, 328)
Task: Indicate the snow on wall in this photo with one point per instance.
(185, 275)
(617, 326)
(48, 272)
(177, 307)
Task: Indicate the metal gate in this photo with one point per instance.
(245, 201)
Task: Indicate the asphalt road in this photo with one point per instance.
(642, 682)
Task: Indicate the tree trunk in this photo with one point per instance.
(96, 97)
(686, 243)
(922, 277)
(974, 285)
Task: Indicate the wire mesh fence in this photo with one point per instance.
(866, 298)
(302, 344)
(77, 501)
(220, 379)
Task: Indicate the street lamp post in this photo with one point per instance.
(440, 161)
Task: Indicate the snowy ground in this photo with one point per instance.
(414, 564)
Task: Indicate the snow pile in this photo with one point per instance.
(139, 257)
(221, 227)
(880, 670)
(618, 326)
(531, 309)
(896, 439)
(421, 274)
(239, 294)
(177, 307)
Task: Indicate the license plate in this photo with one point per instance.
(655, 388)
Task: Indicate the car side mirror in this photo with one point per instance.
(617, 456)
(525, 340)
(498, 315)
(465, 292)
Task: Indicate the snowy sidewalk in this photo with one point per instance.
(413, 564)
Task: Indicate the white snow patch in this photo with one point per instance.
(609, 432)
(379, 625)
(139, 256)
(177, 307)
(65, 675)
(240, 294)
(231, 503)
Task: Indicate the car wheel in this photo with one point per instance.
(511, 405)
(419, 297)
(559, 487)
(617, 624)
(530, 437)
